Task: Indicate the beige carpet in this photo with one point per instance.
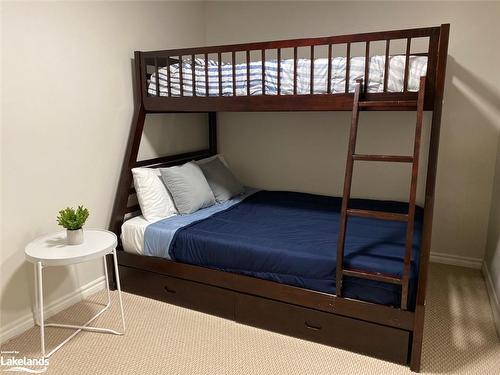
(162, 339)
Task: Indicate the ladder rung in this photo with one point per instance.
(377, 214)
(373, 276)
(390, 158)
(388, 103)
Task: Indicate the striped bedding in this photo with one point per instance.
(418, 66)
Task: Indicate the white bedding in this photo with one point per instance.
(417, 68)
(133, 235)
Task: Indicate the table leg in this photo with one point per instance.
(39, 292)
(107, 279)
(118, 286)
(85, 327)
(36, 311)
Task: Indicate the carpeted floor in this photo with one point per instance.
(459, 338)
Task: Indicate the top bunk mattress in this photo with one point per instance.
(395, 80)
(291, 238)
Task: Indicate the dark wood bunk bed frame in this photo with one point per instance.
(389, 333)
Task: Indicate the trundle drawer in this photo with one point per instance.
(335, 330)
(190, 294)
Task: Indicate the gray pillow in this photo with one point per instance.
(222, 182)
(188, 187)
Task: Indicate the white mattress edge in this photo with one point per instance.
(133, 235)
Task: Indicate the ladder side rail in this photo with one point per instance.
(413, 196)
(347, 188)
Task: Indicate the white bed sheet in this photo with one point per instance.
(133, 235)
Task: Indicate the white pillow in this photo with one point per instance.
(153, 197)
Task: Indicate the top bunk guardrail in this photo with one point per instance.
(294, 75)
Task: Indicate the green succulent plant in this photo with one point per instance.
(72, 219)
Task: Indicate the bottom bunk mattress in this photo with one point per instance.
(291, 238)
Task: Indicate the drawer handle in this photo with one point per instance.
(168, 290)
(311, 326)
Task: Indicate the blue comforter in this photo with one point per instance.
(291, 238)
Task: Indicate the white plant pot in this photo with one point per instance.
(74, 237)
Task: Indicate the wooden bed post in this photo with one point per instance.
(125, 180)
(416, 349)
(212, 132)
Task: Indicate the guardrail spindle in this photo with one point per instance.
(248, 72)
(347, 67)
(169, 81)
(279, 70)
(206, 75)
(233, 59)
(263, 69)
(219, 58)
(157, 78)
(181, 79)
(312, 71)
(294, 70)
(386, 63)
(407, 64)
(367, 66)
(329, 73)
(193, 69)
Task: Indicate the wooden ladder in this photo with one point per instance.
(409, 218)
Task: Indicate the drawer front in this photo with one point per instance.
(356, 335)
(190, 294)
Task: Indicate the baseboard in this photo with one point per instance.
(24, 323)
(494, 299)
(456, 260)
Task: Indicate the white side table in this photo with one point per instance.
(52, 250)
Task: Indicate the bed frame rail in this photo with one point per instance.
(151, 62)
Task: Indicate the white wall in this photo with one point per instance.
(66, 113)
(307, 151)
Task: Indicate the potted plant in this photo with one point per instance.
(73, 221)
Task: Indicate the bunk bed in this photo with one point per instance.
(230, 78)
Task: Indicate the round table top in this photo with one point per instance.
(53, 250)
